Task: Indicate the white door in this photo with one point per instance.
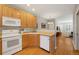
(44, 42)
(77, 30)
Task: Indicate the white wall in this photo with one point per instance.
(66, 24)
(65, 19)
(40, 20)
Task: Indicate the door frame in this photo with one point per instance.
(75, 34)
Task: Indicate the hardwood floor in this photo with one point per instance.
(32, 51)
(64, 47)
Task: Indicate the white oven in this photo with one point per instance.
(11, 38)
(11, 45)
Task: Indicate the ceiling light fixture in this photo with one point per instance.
(33, 9)
(28, 5)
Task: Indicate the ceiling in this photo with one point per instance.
(47, 11)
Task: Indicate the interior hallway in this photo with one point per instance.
(64, 47)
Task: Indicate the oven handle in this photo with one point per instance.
(11, 36)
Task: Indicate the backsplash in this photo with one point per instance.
(28, 30)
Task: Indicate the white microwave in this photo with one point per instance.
(8, 21)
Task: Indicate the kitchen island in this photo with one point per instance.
(43, 40)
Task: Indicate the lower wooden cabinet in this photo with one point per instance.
(0, 46)
(24, 41)
(30, 40)
(33, 40)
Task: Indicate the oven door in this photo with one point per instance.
(11, 43)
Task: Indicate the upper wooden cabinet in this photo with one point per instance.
(10, 12)
(1, 15)
(23, 17)
(31, 21)
(27, 19)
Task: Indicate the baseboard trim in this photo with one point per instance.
(45, 50)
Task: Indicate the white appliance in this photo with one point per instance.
(44, 42)
(11, 43)
(11, 38)
(8, 21)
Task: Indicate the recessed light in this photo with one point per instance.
(33, 9)
(28, 5)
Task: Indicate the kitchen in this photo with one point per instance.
(31, 29)
(17, 31)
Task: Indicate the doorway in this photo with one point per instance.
(64, 34)
(77, 30)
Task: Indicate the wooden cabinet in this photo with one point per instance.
(1, 10)
(0, 46)
(15, 13)
(10, 12)
(27, 19)
(31, 21)
(33, 40)
(30, 40)
(24, 41)
(23, 17)
(5, 11)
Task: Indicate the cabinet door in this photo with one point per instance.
(31, 20)
(1, 10)
(0, 46)
(33, 40)
(23, 18)
(44, 42)
(10, 12)
(15, 13)
(37, 40)
(28, 20)
(24, 41)
(5, 11)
